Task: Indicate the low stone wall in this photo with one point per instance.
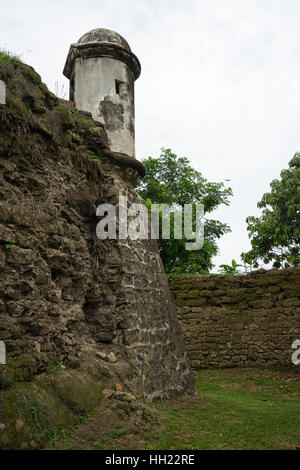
(249, 320)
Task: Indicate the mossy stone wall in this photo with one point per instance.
(239, 321)
(65, 295)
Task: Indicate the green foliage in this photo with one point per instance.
(75, 137)
(171, 180)
(85, 418)
(63, 435)
(230, 270)
(55, 368)
(85, 123)
(33, 409)
(49, 408)
(91, 156)
(7, 57)
(275, 235)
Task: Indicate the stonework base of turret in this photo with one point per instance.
(66, 296)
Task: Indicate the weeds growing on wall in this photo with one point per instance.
(230, 270)
(8, 56)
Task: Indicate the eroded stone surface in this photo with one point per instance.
(102, 71)
(66, 295)
(240, 321)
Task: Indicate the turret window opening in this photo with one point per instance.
(121, 87)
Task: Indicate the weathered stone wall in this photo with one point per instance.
(115, 110)
(240, 321)
(103, 60)
(64, 294)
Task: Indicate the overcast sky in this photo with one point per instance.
(220, 82)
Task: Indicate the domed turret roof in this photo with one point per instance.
(102, 35)
(102, 42)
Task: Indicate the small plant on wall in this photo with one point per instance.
(230, 270)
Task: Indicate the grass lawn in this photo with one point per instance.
(241, 409)
(234, 409)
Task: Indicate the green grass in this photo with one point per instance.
(63, 435)
(253, 410)
(233, 409)
(55, 368)
(108, 439)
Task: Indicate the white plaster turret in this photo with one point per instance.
(102, 71)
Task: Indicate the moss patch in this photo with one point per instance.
(36, 413)
(78, 391)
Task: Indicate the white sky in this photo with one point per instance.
(220, 82)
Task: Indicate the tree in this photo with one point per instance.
(275, 235)
(171, 180)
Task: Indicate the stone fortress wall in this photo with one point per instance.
(65, 295)
(239, 321)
